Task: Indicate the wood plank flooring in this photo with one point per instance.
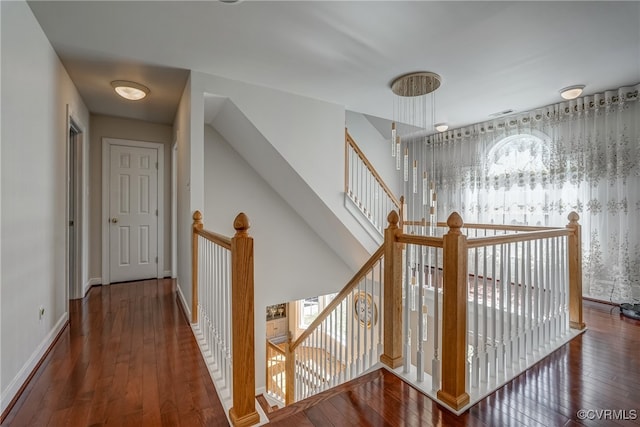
(128, 357)
(597, 371)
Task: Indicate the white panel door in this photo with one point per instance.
(133, 213)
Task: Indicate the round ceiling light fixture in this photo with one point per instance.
(441, 127)
(416, 84)
(130, 90)
(571, 92)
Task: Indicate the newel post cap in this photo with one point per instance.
(197, 217)
(241, 223)
(393, 219)
(573, 217)
(455, 222)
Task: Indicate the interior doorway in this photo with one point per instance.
(133, 215)
(74, 210)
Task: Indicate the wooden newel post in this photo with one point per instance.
(574, 252)
(289, 373)
(243, 412)
(392, 349)
(197, 225)
(454, 316)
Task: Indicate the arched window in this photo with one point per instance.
(523, 153)
(518, 172)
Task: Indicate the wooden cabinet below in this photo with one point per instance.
(277, 328)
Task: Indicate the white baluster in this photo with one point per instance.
(475, 368)
(365, 362)
(381, 304)
(374, 325)
(515, 355)
(501, 321)
(484, 362)
(435, 363)
(420, 336)
(352, 344)
(405, 323)
(494, 314)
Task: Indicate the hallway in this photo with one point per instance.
(127, 358)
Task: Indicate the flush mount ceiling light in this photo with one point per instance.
(130, 90)
(571, 92)
(441, 127)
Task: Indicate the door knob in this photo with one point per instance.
(114, 220)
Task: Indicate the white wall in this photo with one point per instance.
(376, 148)
(35, 92)
(309, 135)
(291, 260)
(121, 128)
(182, 132)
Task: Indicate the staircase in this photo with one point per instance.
(392, 311)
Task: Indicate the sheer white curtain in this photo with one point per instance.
(536, 167)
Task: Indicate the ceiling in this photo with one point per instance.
(492, 56)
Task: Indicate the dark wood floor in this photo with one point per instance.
(127, 358)
(597, 371)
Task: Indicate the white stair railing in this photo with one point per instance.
(223, 314)
(213, 325)
(518, 303)
(275, 373)
(344, 340)
(515, 288)
(366, 189)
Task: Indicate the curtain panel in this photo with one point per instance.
(536, 167)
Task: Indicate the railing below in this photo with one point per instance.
(510, 294)
(365, 187)
(276, 385)
(455, 314)
(223, 313)
(343, 341)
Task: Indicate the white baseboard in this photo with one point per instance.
(166, 273)
(14, 386)
(183, 301)
(94, 281)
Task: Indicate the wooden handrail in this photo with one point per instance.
(349, 141)
(348, 288)
(412, 239)
(275, 347)
(502, 227)
(216, 238)
(477, 242)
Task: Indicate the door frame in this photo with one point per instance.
(174, 210)
(77, 289)
(106, 169)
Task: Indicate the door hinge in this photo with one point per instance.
(156, 165)
(156, 212)
(156, 260)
